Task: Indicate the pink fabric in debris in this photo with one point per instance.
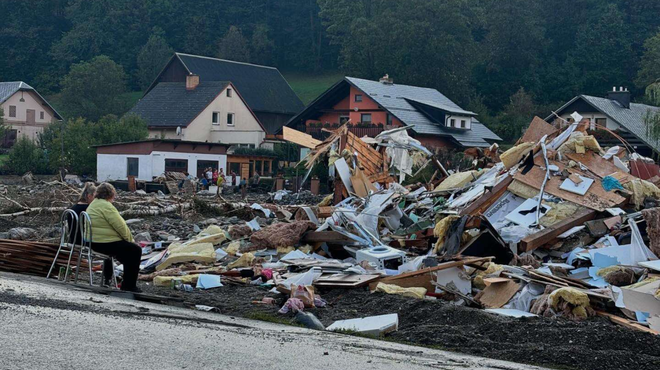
(292, 304)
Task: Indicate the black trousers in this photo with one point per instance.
(128, 254)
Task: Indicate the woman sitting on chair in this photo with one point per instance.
(111, 236)
(85, 199)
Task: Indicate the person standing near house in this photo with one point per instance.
(111, 236)
(243, 187)
(220, 182)
(209, 175)
(214, 180)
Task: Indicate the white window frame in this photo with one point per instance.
(233, 119)
(229, 93)
(217, 116)
(362, 115)
(9, 114)
(356, 100)
(42, 115)
(463, 123)
(452, 122)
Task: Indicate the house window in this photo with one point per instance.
(229, 93)
(176, 165)
(389, 119)
(343, 119)
(358, 98)
(230, 119)
(246, 146)
(216, 118)
(452, 123)
(41, 115)
(12, 111)
(132, 166)
(463, 123)
(601, 122)
(365, 118)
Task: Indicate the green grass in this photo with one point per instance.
(309, 86)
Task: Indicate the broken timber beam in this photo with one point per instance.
(480, 205)
(545, 236)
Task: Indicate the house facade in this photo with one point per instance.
(151, 158)
(264, 89)
(614, 112)
(26, 112)
(205, 111)
(374, 106)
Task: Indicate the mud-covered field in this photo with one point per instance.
(593, 344)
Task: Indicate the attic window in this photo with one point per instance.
(216, 118)
(229, 93)
(463, 123)
(358, 98)
(41, 115)
(230, 119)
(389, 119)
(452, 123)
(12, 111)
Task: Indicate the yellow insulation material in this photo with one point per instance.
(641, 189)
(167, 280)
(558, 212)
(440, 231)
(578, 143)
(512, 156)
(458, 180)
(574, 297)
(478, 281)
(244, 261)
(406, 292)
(180, 253)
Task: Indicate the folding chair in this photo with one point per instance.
(69, 233)
(86, 249)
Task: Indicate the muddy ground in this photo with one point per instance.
(595, 344)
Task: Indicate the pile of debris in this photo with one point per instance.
(552, 229)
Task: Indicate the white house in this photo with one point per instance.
(26, 112)
(150, 158)
(207, 111)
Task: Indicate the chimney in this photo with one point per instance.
(622, 96)
(192, 81)
(386, 80)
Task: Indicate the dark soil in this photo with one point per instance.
(593, 344)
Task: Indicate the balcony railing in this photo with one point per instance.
(359, 130)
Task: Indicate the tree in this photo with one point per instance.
(516, 116)
(234, 46)
(652, 116)
(649, 71)
(94, 89)
(70, 144)
(152, 57)
(262, 46)
(26, 156)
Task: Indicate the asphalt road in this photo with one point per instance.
(48, 325)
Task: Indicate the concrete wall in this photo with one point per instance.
(115, 166)
(245, 130)
(19, 123)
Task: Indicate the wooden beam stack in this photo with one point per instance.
(32, 258)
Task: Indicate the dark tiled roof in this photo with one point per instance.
(395, 98)
(263, 88)
(632, 119)
(7, 89)
(169, 104)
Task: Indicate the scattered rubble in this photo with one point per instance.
(548, 230)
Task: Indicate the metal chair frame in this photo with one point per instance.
(86, 248)
(69, 232)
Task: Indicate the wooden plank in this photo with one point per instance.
(596, 198)
(480, 205)
(300, 138)
(536, 130)
(598, 165)
(326, 236)
(547, 235)
(627, 323)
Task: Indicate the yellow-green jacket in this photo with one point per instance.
(107, 224)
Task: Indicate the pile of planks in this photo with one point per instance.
(32, 258)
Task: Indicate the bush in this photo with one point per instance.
(26, 156)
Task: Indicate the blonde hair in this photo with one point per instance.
(105, 191)
(88, 190)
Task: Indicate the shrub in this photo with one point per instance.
(26, 156)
